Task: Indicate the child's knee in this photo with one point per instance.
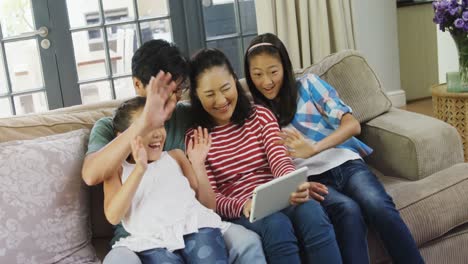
(244, 245)
(350, 208)
(240, 238)
(250, 240)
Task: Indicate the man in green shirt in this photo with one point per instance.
(106, 153)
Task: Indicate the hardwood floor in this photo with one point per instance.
(422, 106)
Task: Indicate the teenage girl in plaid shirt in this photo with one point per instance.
(318, 125)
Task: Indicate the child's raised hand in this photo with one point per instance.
(198, 146)
(139, 153)
(298, 146)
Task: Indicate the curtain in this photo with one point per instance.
(310, 29)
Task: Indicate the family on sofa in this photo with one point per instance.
(232, 146)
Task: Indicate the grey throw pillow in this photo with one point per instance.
(44, 204)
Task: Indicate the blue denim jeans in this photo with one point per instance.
(296, 231)
(244, 246)
(205, 246)
(356, 197)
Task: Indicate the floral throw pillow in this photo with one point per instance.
(44, 204)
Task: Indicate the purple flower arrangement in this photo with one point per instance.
(451, 15)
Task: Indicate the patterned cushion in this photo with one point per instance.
(44, 205)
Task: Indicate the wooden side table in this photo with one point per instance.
(452, 108)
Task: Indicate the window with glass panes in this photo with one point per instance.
(230, 25)
(91, 43)
(105, 35)
(22, 87)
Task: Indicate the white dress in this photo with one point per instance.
(164, 208)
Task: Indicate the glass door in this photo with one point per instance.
(27, 60)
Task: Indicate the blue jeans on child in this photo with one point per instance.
(244, 246)
(297, 230)
(205, 246)
(355, 196)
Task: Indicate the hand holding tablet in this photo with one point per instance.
(274, 196)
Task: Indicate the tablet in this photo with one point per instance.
(273, 196)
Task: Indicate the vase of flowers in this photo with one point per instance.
(452, 15)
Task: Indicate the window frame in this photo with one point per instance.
(188, 32)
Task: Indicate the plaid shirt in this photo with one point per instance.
(319, 113)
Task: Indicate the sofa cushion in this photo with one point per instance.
(355, 81)
(411, 145)
(59, 121)
(434, 209)
(44, 216)
(450, 248)
(433, 206)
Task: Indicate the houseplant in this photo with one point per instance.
(452, 15)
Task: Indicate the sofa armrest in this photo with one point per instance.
(411, 145)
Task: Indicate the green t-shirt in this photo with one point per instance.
(103, 133)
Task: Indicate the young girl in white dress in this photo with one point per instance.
(155, 197)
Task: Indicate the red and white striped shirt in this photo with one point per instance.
(241, 158)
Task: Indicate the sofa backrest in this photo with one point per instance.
(55, 121)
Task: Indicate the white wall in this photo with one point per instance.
(447, 54)
(376, 36)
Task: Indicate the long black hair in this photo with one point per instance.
(285, 105)
(202, 61)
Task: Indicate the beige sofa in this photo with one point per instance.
(421, 158)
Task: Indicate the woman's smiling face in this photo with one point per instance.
(216, 89)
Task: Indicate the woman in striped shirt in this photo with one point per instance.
(243, 155)
(321, 130)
